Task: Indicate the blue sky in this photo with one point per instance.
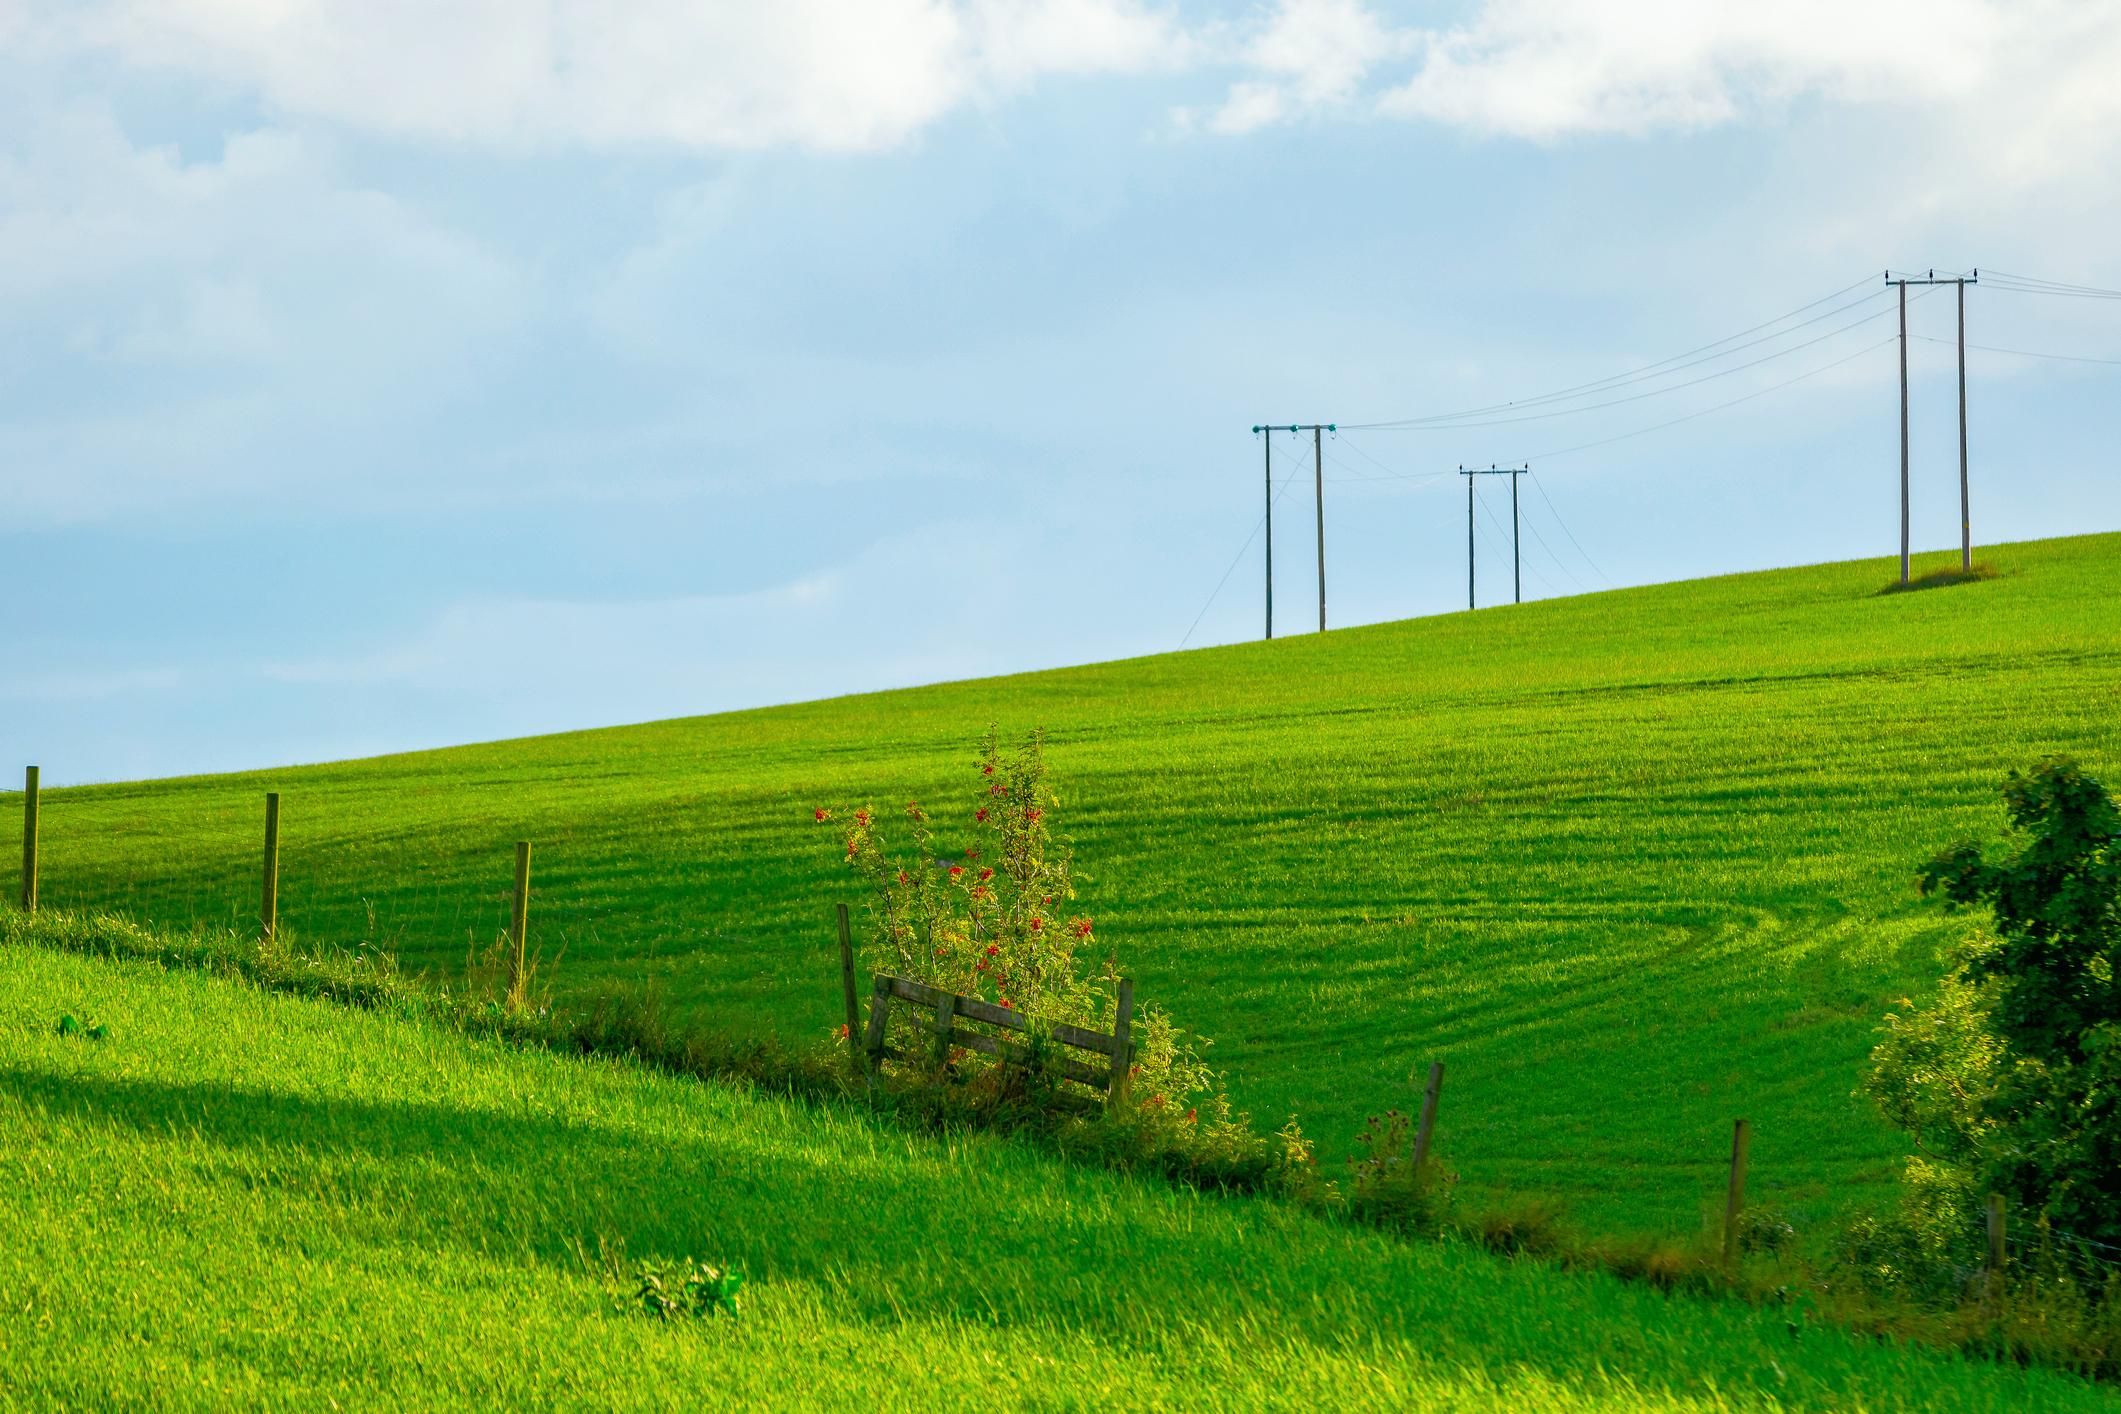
(379, 377)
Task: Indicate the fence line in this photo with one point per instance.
(866, 1050)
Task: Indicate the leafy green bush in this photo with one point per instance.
(2009, 1079)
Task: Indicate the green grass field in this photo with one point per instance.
(247, 1199)
(1633, 864)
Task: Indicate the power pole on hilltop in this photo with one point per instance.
(1318, 467)
(1318, 461)
(1516, 527)
(1966, 523)
(1268, 442)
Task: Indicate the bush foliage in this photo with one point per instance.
(2009, 1079)
(992, 918)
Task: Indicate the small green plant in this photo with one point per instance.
(1386, 1187)
(685, 1288)
(1765, 1229)
(93, 1031)
(1532, 1226)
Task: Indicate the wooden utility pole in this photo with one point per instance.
(1516, 555)
(1267, 441)
(1318, 470)
(1966, 520)
(1516, 527)
(1904, 550)
(1318, 432)
(1966, 517)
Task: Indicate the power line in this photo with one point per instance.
(1237, 560)
(2022, 353)
(1357, 476)
(1638, 397)
(1715, 407)
(2034, 285)
(2056, 284)
(1389, 473)
(1581, 587)
(1540, 487)
(1446, 421)
(1636, 374)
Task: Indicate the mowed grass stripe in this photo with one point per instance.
(1633, 864)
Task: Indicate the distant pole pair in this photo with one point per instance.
(1516, 528)
(1966, 523)
(1318, 475)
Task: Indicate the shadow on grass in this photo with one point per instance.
(553, 1190)
(1943, 578)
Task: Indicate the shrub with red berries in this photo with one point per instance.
(986, 933)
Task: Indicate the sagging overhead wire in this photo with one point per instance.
(1533, 526)
(1238, 558)
(1732, 402)
(1661, 368)
(1389, 473)
(2034, 285)
(1541, 488)
(1357, 476)
(1716, 407)
(2021, 353)
(1652, 393)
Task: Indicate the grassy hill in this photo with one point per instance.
(1633, 864)
(241, 1199)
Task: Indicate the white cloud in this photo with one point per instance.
(1543, 68)
(278, 294)
(827, 74)
(1310, 56)
(2021, 91)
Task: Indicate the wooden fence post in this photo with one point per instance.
(945, 1019)
(29, 839)
(1734, 1200)
(1998, 1251)
(519, 925)
(855, 1055)
(269, 901)
(879, 1019)
(1122, 1043)
(1427, 1129)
